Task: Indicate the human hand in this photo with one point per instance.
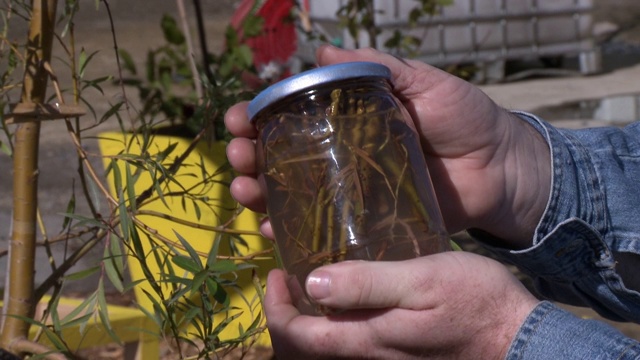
(490, 170)
(442, 306)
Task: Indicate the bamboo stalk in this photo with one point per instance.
(20, 265)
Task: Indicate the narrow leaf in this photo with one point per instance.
(71, 208)
(192, 252)
(82, 274)
(112, 111)
(103, 313)
(127, 61)
(113, 265)
(131, 190)
(223, 266)
(186, 263)
(88, 305)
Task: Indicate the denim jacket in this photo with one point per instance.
(586, 247)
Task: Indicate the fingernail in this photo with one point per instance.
(318, 283)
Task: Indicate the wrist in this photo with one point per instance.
(503, 322)
(527, 185)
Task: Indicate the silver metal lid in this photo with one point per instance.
(311, 78)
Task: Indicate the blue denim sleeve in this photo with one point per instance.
(551, 333)
(586, 247)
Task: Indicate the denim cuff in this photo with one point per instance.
(552, 333)
(570, 259)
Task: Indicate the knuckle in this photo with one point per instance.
(357, 285)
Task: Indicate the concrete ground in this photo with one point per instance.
(137, 31)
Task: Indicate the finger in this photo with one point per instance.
(247, 191)
(279, 310)
(408, 284)
(237, 122)
(241, 155)
(296, 336)
(266, 229)
(403, 72)
(278, 302)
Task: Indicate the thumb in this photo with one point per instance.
(374, 285)
(328, 55)
(404, 72)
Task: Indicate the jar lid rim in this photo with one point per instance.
(309, 78)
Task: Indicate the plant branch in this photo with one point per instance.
(197, 84)
(115, 48)
(203, 42)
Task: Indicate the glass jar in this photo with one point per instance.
(343, 171)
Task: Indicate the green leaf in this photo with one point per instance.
(252, 25)
(255, 323)
(82, 274)
(113, 110)
(93, 191)
(198, 280)
(52, 307)
(79, 321)
(162, 155)
(131, 189)
(52, 336)
(13, 61)
(177, 280)
(85, 221)
(213, 253)
(103, 313)
(5, 149)
(244, 55)
(192, 252)
(95, 83)
(84, 60)
(394, 41)
(212, 285)
(186, 263)
(171, 31)
(191, 314)
(223, 324)
(221, 296)
(257, 284)
(156, 319)
(127, 61)
(117, 177)
(88, 304)
(151, 66)
(175, 298)
(125, 221)
(223, 266)
(455, 246)
(414, 15)
(71, 208)
(183, 203)
(158, 189)
(114, 264)
(197, 209)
